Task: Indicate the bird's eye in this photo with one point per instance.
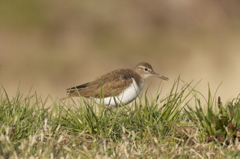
(145, 69)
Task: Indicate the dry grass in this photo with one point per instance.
(159, 128)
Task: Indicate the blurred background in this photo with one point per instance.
(52, 45)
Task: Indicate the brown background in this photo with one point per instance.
(51, 45)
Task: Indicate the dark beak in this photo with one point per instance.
(160, 76)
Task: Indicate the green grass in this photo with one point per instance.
(162, 127)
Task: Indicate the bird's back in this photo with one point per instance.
(110, 84)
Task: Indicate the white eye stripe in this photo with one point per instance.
(145, 68)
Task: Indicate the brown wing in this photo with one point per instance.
(107, 85)
(76, 88)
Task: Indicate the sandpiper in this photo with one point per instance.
(121, 86)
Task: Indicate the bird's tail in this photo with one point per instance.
(74, 91)
(70, 93)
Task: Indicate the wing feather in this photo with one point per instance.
(110, 84)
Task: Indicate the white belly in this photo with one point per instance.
(127, 96)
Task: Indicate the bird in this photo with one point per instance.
(118, 87)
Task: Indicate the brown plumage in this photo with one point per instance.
(110, 84)
(114, 83)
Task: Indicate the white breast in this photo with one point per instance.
(127, 96)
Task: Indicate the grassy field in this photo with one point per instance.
(158, 127)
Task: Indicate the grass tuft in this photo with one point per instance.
(218, 123)
(162, 127)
